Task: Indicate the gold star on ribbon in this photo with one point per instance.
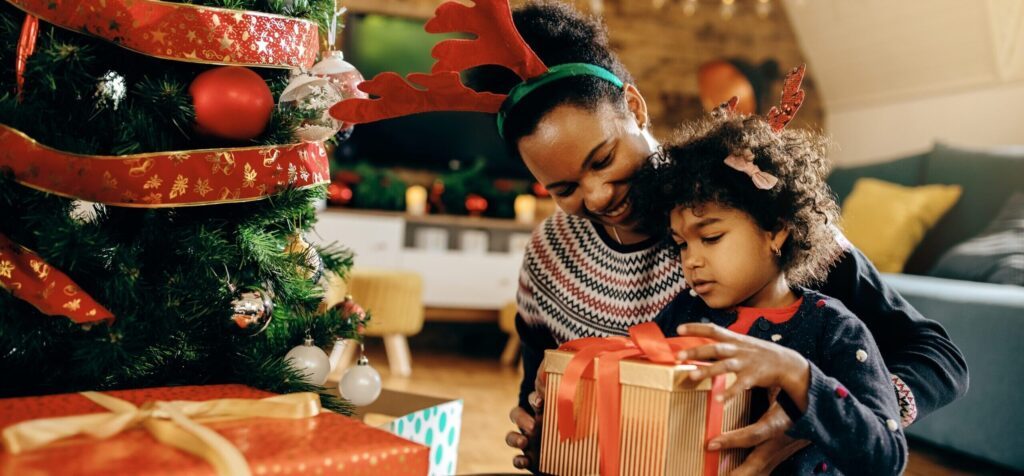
(6, 268)
(225, 42)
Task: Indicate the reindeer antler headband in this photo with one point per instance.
(777, 117)
(497, 42)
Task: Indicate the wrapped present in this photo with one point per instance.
(195, 430)
(432, 421)
(625, 406)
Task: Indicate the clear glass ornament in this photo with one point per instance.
(309, 360)
(311, 97)
(361, 384)
(344, 77)
(314, 267)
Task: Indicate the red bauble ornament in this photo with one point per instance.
(540, 191)
(231, 102)
(475, 204)
(339, 193)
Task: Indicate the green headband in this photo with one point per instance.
(554, 73)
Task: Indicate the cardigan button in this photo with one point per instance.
(763, 324)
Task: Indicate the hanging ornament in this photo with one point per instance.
(340, 74)
(311, 361)
(231, 102)
(339, 193)
(252, 311)
(361, 384)
(310, 97)
(475, 204)
(314, 267)
(110, 91)
(540, 191)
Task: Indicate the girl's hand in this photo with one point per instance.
(756, 363)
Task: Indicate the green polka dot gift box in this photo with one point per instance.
(430, 421)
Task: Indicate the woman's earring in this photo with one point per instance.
(777, 251)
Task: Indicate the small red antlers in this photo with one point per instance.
(792, 99)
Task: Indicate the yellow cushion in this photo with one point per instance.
(887, 221)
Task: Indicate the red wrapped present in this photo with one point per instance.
(195, 430)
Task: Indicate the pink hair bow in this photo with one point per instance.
(743, 161)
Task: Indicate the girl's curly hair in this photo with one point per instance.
(690, 171)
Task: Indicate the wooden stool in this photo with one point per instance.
(394, 300)
(507, 323)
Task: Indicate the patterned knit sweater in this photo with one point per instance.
(576, 281)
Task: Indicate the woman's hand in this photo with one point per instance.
(756, 363)
(528, 436)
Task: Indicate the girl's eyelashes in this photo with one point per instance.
(712, 239)
(679, 247)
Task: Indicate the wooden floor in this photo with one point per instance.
(489, 390)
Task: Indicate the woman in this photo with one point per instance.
(590, 272)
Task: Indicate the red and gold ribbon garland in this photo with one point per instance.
(31, 279)
(183, 32)
(645, 341)
(26, 46)
(164, 179)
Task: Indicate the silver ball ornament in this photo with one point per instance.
(252, 311)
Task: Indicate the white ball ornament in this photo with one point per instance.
(311, 361)
(361, 384)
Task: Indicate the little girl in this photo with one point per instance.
(753, 220)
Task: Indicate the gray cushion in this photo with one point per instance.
(907, 171)
(988, 178)
(994, 256)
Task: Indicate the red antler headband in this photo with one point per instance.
(497, 42)
(792, 99)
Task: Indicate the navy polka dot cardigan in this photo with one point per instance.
(852, 417)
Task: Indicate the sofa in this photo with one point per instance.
(985, 320)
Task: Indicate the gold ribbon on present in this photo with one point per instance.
(183, 32)
(164, 179)
(174, 423)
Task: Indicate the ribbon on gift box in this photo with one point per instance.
(645, 341)
(175, 423)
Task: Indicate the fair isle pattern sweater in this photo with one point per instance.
(576, 281)
(576, 284)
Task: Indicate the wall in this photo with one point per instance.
(896, 76)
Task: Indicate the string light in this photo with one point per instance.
(728, 9)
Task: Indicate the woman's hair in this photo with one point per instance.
(559, 34)
(691, 172)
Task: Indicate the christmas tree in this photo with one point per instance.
(153, 197)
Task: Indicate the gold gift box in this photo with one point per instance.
(663, 421)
